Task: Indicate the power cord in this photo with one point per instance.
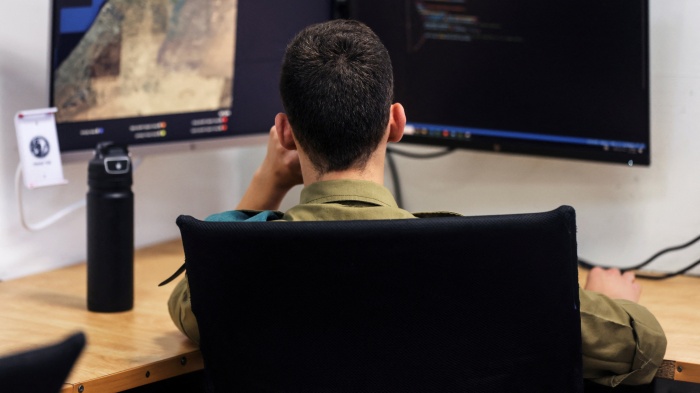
(48, 221)
(420, 155)
(136, 162)
(394, 178)
(390, 151)
(582, 262)
(587, 265)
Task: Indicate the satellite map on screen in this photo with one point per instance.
(143, 58)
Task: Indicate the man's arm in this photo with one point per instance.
(180, 310)
(278, 173)
(622, 342)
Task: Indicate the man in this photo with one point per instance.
(337, 90)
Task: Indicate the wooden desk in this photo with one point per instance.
(141, 346)
(676, 304)
(124, 350)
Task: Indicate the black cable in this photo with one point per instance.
(420, 155)
(583, 263)
(669, 275)
(394, 177)
(587, 265)
(664, 251)
(390, 151)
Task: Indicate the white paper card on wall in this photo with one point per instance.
(39, 152)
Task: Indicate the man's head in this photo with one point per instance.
(337, 90)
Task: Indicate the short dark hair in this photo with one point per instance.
(337, 89)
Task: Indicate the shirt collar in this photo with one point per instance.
(331, 191)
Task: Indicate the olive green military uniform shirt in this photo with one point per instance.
(622, 341)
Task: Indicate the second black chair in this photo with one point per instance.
(41, 370)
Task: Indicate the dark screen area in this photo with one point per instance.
(547, 77)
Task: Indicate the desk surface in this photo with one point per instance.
(124, 350)
(141, 346)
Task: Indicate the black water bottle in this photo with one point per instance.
(110, 230)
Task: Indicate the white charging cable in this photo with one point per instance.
(136, 162)
(48, 221)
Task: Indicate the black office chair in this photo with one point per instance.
(41, 370)
(466, 304)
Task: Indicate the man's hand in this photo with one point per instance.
(278, 173)
(280, 164)
(613, 284)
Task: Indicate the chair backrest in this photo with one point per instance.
(471, 304)
(41, 370)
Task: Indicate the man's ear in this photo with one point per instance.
(284, 132)
(397, 122)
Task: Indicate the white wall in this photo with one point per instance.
(624, 214)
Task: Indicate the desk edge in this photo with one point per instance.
(141, 375)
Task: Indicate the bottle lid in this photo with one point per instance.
(110, 167)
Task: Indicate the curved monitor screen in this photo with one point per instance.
(155, 72)
(545, 77)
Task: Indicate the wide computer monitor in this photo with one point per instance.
(544, 77)
(159, 75)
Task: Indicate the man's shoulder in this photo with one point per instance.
(274, 215)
